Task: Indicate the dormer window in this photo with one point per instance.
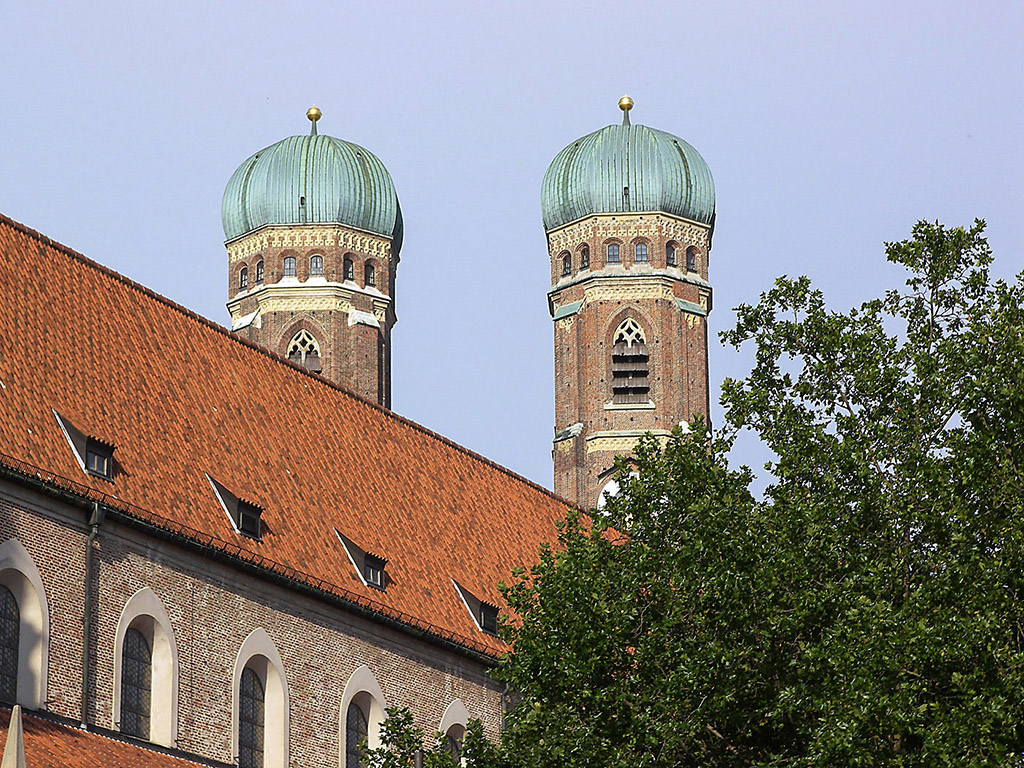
(259, 272)
(99, 459)
(369, 567)
(489, 618)
(373, 571)
(248, 519)
(485, 615)
(245, 516)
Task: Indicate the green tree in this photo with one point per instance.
(867, 610)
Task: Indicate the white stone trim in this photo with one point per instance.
(259, 653)
(19, 574)
(145, 612)
(78, 457)
(363, 690)
(455, 715)
(357, 316)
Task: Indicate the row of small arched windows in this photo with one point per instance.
(316, 267)
(640, 255)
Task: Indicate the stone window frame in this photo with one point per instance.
(363, 690)
(18, 572)
(145, 612)
(259, 654)
(454, 723)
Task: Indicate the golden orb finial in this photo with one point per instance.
(625, 103)
(313, 113)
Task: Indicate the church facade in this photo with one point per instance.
(219, 546)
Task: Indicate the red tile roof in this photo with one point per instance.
(51, 744)
(181, 398)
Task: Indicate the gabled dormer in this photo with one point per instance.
(369, 567)
(245, 516)
(94, 455)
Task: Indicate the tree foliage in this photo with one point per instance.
(868, 610)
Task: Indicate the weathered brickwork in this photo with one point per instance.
(669, 302)
(350, 318)
(212, 607)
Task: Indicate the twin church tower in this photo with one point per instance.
(314, 232)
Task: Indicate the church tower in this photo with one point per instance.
(629, 212)
(313, 231)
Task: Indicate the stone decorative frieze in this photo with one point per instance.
(309, 236)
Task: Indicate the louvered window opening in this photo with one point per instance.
(136, 684)
(10, 631)
(630, 365)
(251, 709)
(355, 733)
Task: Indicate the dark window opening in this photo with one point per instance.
(670, 255)
(251, 707)
(303, 350)
(355, 734)
(566, 265)
(454, 747)
(259, 271)
(640, 252)
(243, 278)
(350, 270)
(373, 571)
(10, 635)
(489, 618)
(630, 364)
(289, 266)
(136, 684)
(99, 459)
(316, 265)
(369, 276)
(691, 259)
(585, 258)
(613, 253)
(249, 519)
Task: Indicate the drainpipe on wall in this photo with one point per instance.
(95, 520)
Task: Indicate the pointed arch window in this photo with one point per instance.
(136, 684)
(640, 252)
(303, 349)
(350, 269)
(585, 258)
(691, 259)
(613, 253)
(289, 266)
(670, 255)
(355, 733)
(243, 278)
(566, 265)
(630, 364)
(251, 713)
(316, 265)
(259, 272)
(10, 632)
(369, 276)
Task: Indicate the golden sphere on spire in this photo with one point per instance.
(313, 113)
(625, 103)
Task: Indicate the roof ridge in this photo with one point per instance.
(220, 329)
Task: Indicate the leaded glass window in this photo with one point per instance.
(355, 733)
(316, 265)
(640, 252)
(10, 631)
(136, 684)
(250, 721)
(289, 266)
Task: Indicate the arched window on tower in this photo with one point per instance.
(369, 276)
(316, 265)
(640, 252)
(350, 270)
(585, 258)
(10, 632)
(259, 271)
(243, 278)
(304, 350)
(630, 364)
(691, 259)
(566, 264)
(355, 733)
(289, 266)
(136, 684)
(670, 255)
(251, 712)
(613, 253)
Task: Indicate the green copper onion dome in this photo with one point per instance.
(627, 169)
(312, 179)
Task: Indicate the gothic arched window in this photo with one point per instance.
(259, 272)
(369, 276)
(289, 266)
(136, 684)
(304, 350)
(316, 265)
(355, 733)
(640, 252)
(243, 278)
(250, 720)
(613, 252)
(585, 258)
(630, 364)
(566, 264)
(10, 633)
(350, 270)
(691, 259)
(670, 255)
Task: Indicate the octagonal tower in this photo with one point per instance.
(313, 232)
(629, 213)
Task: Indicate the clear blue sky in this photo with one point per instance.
(829, 127)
